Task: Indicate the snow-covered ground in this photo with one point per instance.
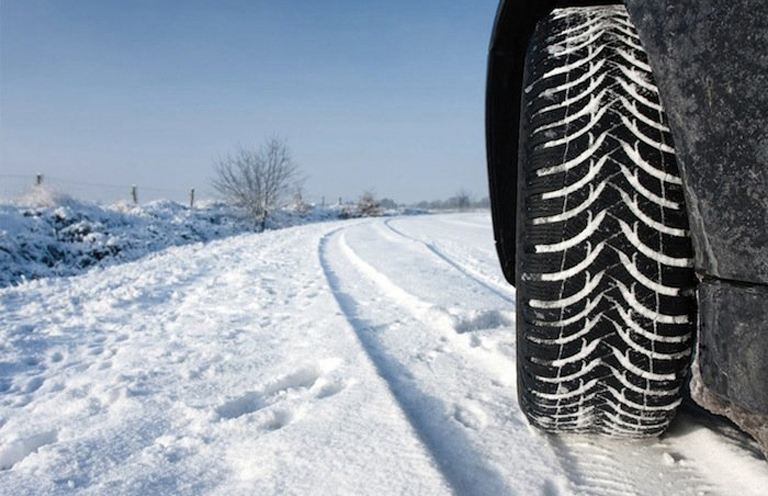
(65, 237)
(47, 234)
(370, 356)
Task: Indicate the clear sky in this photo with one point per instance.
(369, 94)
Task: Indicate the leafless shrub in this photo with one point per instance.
(257, 180)
(299, 205)
(368, 205)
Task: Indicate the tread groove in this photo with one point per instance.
(605, 311)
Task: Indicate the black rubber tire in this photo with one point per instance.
(606, 307)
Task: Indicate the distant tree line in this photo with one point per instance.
(262, 180)
(461, 201)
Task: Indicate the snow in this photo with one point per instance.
(368, 356)
(60, 236)
(49, 234)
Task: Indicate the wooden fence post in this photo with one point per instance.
(192, 198)
(39, 180)
(135, 194)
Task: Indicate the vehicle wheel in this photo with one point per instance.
(606, 308)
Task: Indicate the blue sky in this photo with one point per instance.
(369, 94)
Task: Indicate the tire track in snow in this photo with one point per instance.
(465, 223)
(462, 468)
(602, 466)
(466, 372)
(593, 465)
(480, 279)
(429, 315)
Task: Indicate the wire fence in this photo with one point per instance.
(16, 187)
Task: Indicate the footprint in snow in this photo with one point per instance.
(330, 389)
(33, 385)
(279, 419)
(15, 451)
(248, 403)
(480, 320)
(470, 415)
(291, 386)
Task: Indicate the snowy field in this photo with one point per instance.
(371, 356)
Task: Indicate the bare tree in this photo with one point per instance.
(256, 180)
(368, 205)
(463, 200)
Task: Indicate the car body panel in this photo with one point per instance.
(710, 61)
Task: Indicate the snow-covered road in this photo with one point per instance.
(362, 357)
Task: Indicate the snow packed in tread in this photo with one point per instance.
(606, 325)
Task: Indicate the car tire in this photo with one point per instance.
(605, 280)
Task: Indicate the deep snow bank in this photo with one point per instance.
(70, 236)
(46, 234)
